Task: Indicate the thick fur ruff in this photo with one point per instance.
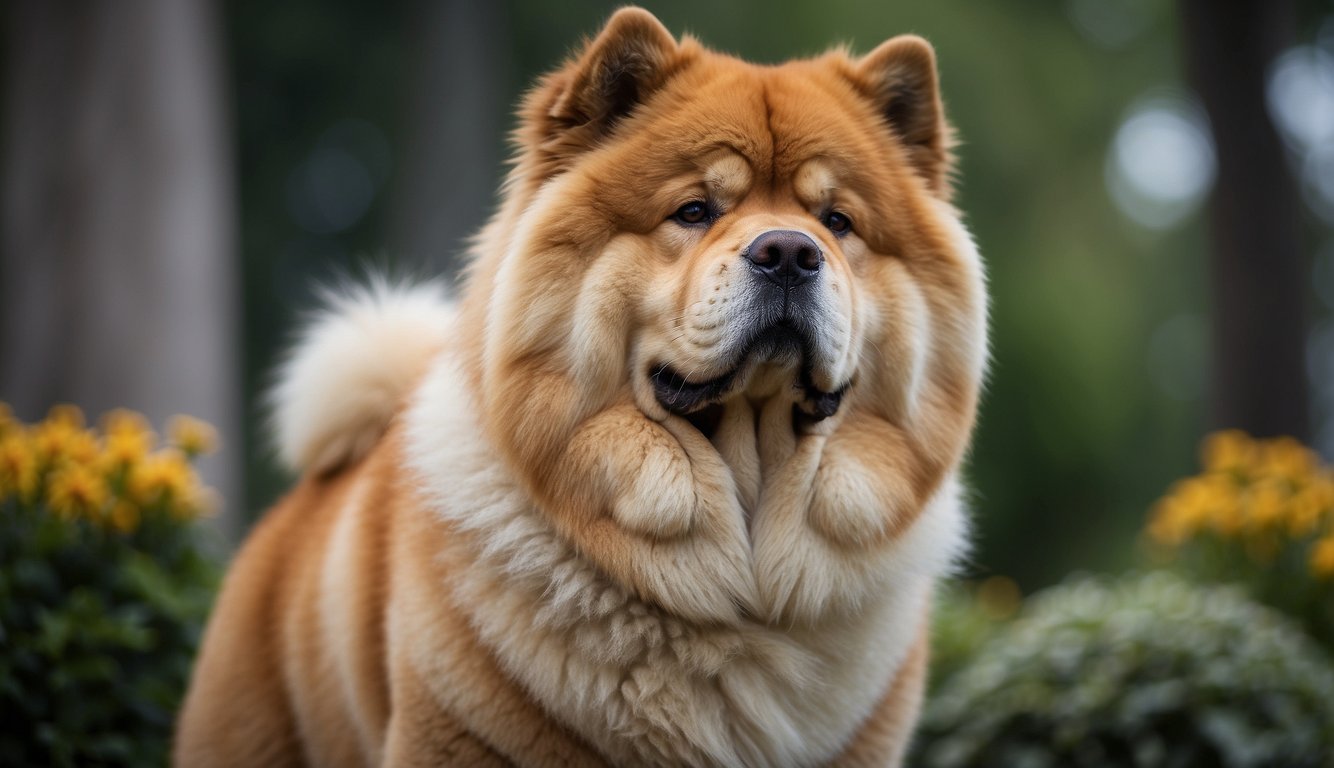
(673, 481)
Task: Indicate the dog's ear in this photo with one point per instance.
(617, 71)
(899, 77)
(578, 105)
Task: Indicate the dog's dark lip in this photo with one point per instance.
(680, 396)
(683, 397)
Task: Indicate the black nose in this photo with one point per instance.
(785, 256)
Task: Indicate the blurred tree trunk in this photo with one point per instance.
(117, 276)
(455, 130)
(1259, 275)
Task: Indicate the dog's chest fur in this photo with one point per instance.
(643, 687)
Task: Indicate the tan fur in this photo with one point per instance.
(542, 563)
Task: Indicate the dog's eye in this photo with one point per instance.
(837, 223)
(693, 212)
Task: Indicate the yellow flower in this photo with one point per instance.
(1267, 496)
(191, 435)
(61, 437)
(202, 501)
(66, 415)
(53, 438)
(1266, 503)
(18, 466)
(1322, 557)
(1228, 451)
(1304, 512)
(128, 438)
(162, 476)
(81, 447)
(1322, 487)
(1286, 458)
(1172, 522)
(76, 491)
(1228, 519)
(1192, 505)
(1204, 501)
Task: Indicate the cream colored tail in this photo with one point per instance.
(351, 369)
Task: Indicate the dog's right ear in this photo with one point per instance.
(617, 71)
(580, 104)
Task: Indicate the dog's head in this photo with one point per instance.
(686, 231)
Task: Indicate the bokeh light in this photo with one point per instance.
(1161, 163)
(1301, 102)
(1301, 96)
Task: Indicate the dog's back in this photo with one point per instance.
(298, 665)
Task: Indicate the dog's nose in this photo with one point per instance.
(785, 256)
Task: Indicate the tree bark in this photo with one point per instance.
(1259, 274)
(117, 273)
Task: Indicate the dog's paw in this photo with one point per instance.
(850, 505)
(652, 483)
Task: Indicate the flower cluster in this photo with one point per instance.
(104, 585)
(111, 476)
(1264, 497)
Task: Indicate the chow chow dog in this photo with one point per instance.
(672, 480)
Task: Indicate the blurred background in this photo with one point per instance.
(1151, 183)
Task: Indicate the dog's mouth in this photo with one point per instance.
(701, 401)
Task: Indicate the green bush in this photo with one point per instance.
(964, 617)
(1148, 671)
(103, 591)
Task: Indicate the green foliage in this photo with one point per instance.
(100, 612)
(98, 628)
(961, 624)
(1149, 671)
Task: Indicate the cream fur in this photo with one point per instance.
(646, 687)
(350, 369)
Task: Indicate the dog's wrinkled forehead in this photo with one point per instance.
(774, 120)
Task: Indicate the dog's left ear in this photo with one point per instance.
(899, 78)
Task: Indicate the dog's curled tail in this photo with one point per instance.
(352, 368)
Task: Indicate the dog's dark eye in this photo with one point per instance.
(838, 223)
(693, 212)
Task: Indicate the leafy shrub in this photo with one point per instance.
(103, 589)
(1150, 671)
(1260, 514)
(964, 617)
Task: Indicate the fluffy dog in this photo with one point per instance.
(671, 483)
